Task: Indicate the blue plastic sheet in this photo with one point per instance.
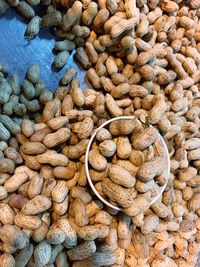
(18, 53)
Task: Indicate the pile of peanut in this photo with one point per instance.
(142, 59)
(128, 160)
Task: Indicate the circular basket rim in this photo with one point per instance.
(154, 199)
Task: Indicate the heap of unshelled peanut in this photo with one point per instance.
(142, 59)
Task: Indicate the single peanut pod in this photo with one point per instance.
(140, 245)
(157, 112)
(39, 234)
(55, 235)
(76, 93)
(39, 135)
(61, 208)
(25, 10)
(7, 260)
(78, 150)
(59, 192)
(64, 173)
(78, 192)
(35, 186)
(27, 127)
(70, 234)
(123, 147)
(97, 161)
(83, 251)
(83, 129)
(27, 222)
(89, 14)
(122, 26)
(146, 138)
(117, 193)
(56, 138)
(81, 217)
(15, 181)
(107, 148)
(100, 18)
(57, 123)
(148, 170)
(36, 205)
(92, 232)
(121, 176)
(120, 90)
(7, 214)
(33, 148)
(112, 106)
(53, 158)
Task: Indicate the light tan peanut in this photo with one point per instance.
(83, 129)
(36, 205)
(112, 106)
(93, 207)
(27, 222)
(124, 127)
(139, 205)
(89, 14)
(129, 166)
(64, 173)
(136, 157)
(107, 148)
(33, 148)
(56, 138)
(76, 151)
(27, 128)
(13, 236)
(40, 134)
(78, 192)
(15, 181)
(42, 253)
(103, 217)
(121, 176)
(123, 147)
(61, 208)
(53, 158)
(92, 232)
(3, 193)
(35, 186)
(57, 123)
(103, 134)
(39, 234)
(7, 214)
(97, 161)
(117, 193)
(81, 217)
(7, 260)
(59, 192)
(120, 90)
(70, 234)
(146, 138)
(147, 170)
(77, 94)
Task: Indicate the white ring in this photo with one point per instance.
(87, 167)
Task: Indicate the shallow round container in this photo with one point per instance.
(166, 158)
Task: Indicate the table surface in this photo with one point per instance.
(18, 53)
